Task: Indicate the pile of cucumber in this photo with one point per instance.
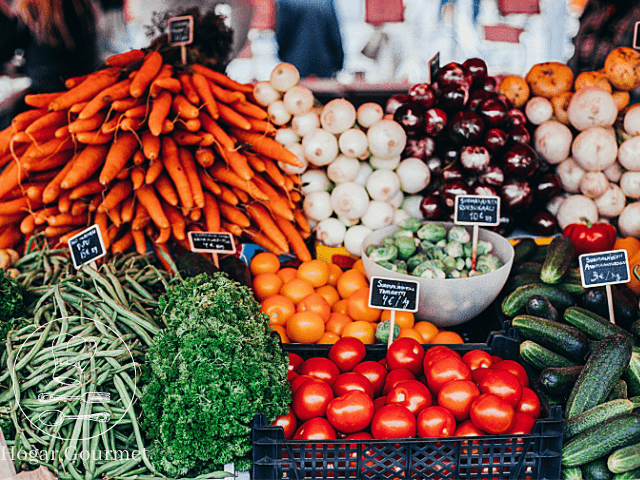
(584, 362)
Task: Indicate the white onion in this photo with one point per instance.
(284, 77)
(265, 94)
(343, 169)
(369, 113)
(387, 139)
(313, 181)
(303, 124)
(353, 142)
(397, 199)
(317, 205)
(363, 173)
(400, 216)
(349, 200)
(384, 163)
(286, 136)
(278, 114)
(354, 239)
(298, 100)
(320, 147)
(289, 169)
(383, 185)
(414, 175)
(338, 115)
(366, 154)
(349, 222)
(330, 232)
(377, 215)
(411, 204)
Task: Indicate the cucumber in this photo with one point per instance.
(596, 470)
(573, 473)
(517, 299)
(619, 391)
(566, 340)
(558, 260)
(572, 288)
(636, 401)
(533, 268)
(596, 415)
(635, 328)
(625, 310)
(630, 475)
(632, 373)
(522, 279)
(624, 459)
(540, 306)
(601, 440)
(558, 380)
(603, 369)
(573, 275)
(539, 357)
(593, 325)
(540, 255)
(524, 249)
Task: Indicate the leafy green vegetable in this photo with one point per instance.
(207, 374)
(11, 297)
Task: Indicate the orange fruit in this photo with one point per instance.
(337, 322)
(411, 333)
(264, 262)
(358, 306)
(328, 338)
(364, 331)
(340, 306)
(315, 271)
(334, 272)
(305, 327)
(279, 308)
(402, 319)
(287, 273)
(359, 265)
(265, 285)
(282, 332)
(446, 337)
(296, 289)
(316, 303)
(427, 329)
(350, 281)
(329, 293)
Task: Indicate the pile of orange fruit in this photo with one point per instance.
(318, 302)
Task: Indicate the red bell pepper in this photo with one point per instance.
(591, 237)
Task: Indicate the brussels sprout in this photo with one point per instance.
(483, 248)
(432, 232)
(467, 263)
(460, 264)
(415, 260)
(441, 243)
(388, 265)
(411, 223)
(388, 241)
(403, 234)
(454, 249)
(464, 273)
(488, 263)
(433, 273)
(406, 246)
(455, 274)
(438, 253)
(459, 234)
(369, 249)
(384, 253)
(475, 273)
(382, 331)
(426, 245)
(429, 269)
(401, 264)
(449, 265)
(402, 270)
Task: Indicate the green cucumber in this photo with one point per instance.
(558, 260)
(630, 475)
(635, 328)
(625, 459)
(619, 391)
(601, 440)
(539, 357)
(573, 473)
(524, 249)
(517, 299)
(521, 280)
(532, 268)
(540, 306)
(566, 340)
(624, 309)
(558, 380)
(573, 275)
(596, 470)
(572, 288)
(603, 368)
(596, 415)
(593, 325)
(540, 254)
(632, 373)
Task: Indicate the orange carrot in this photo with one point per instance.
(208, 182)
(73, 81)
(168, 126)
(167, 83)
(190, 124)
(18, 205)
(184, 108)
(85, 164)
(112, 125)
(298, 246)
(153, 171)
(232, 228)
(266, 146)
(262, 240)
(242, 196)
(28, 224)
(78, 207)
(95, 202)
(166, 189)
(230, 196)
(10, 236)
(203, 88)
(211, 126)
(136, 112)
(301, 221)
(171, 161)
(123, 243)
(123, 59)
(256, 163)
(234, 215)
(88, 88)
(40, 216)
(182, 137)
(189, 166)
(204, 157)
(261, 216)
(11, 177)
(224, 95)
(139, 241)
(207, 139)
(131, 124)
(94, 138)
(138, 158)
(117, 193)
(211, 213)
(137, 176)
(261, 126)
(277, 204)
(187, 88)
(141, 218)
(128, 209)
(114, 216)
(91, 123)
(225, 174)
(274, 172)
(249, 109)
(52, 231)
(64, 202)
(47, 163)
(126, 103)
(48, 148)
(66, 219)
(120, 152)
(159, 111)
(113, 231)
(24, 119)
(40, 100)
(34, 191)
(150, 67)
(238, 163)
(229, 116)
(64, 239)
(165, 72)
(150, 146)
(117, 91)
(101, 220)
(221, 79)
(90, 187)
(177, 221)
(39, 136)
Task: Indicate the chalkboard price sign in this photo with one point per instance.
(477, 210)
(392, 294)
(87, 246)
(434, 67)
(604, 268)
(212, 242)
(181, 30)
(636, 36)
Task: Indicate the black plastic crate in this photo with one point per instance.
(498, 457)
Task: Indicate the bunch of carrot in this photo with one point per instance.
(148, 150)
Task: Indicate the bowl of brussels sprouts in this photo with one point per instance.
(439, 256)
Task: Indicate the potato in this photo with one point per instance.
(622, 67)
(516, 89)
(560, 105)
(592, 79)
(549, 78)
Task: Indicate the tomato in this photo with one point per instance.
(515, 368)
(291, 375)
(496, 359)
(347, 352)
(406, 353)
(529, 403)
(383, 362)
(375, 372)
(477, 359)
(315, 429)
(468, 429)
(444, 369)
(320, 368)
(288, 422)
(478, 374)
(457, 396)
(350, 412)
(295, 361)
(359, 436)
(434, 353)
(393, 421)
(380, 402)
(492, 414)
(311, 399)
(297, 381)
(411, 394)
(436, 421)
(503, 384)
(350, 381)
(395, 376)
(522, 424)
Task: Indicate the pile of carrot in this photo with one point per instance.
(149, 151)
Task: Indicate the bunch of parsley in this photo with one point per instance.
(207, 374)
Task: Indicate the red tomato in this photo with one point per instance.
(477, 359)
(297, 381)
(395, 376)
(503, 384)
(288, 422)
(315, 429)
(295, 361)
(457, 396)
(380, 402)
(407, 353)
(383, 362)
(375, 372)
(515, 368)
(347, 352)
(350, 381)
(492, 414)
(350, 412)
(320, 368)
(291, 375)
(359, 436)
(468, 429)
(522, 424)
(529, 403)
(393, 421)
(478, 374)
(311, 399)
(434, 353)
(411, 394)
(445, 369)
(496, 359)
(436, 421)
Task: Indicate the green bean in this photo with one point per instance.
(77, 428)
(74, 473)
(117, 286)
(131, 384)
(154, 329)
(138, 288)
(11, 372)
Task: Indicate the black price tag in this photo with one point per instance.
(87, 246)
(604, 268)
(392, 294)
(434, 66)
(477, 210)
(212, 242)
(181, 30)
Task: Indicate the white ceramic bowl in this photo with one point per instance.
(450, 301)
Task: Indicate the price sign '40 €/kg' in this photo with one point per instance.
(392, 294)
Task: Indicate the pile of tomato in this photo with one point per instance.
(412, 392)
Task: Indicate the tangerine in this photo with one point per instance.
(340, 306)
(315, 271)
(279, 329)
(359, 265)
(328, 338)
(337, 322)
(334, 272)
(305, 327)
(446, 337)
(402, 318)
(364, 331)
(358, 306)
(296, 289)
(316, 303)
(265, 285)
(350, 281)
(264, 262)
(287, 273)
(411, 333)
(279, 308)
(329, 293)
(427, 329)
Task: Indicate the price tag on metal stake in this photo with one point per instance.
(477, 210)
(212, 242)
(604, 268)
(392, 294)
(87, 246)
